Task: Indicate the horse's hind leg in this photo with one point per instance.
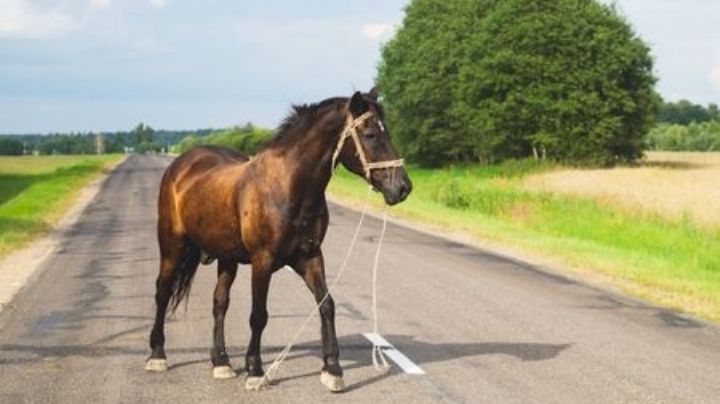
(171, 250)
(221, 300)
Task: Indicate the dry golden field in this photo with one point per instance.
(672, 184)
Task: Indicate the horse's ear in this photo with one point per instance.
(373, 93)
(358, 105)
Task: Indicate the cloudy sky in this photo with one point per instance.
(79, 65)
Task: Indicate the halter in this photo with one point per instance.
(351, 130)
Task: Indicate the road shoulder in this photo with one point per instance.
(20, 267)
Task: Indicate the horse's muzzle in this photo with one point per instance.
(398, 191)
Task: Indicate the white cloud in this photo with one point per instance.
(158, 3)
(20, 19)
(375, 31)
(715, 73)
(100, 3)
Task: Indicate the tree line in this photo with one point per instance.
(142, 138)
(684, 112)
(246, 139)
(684, 126)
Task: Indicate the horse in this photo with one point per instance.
(268, 211)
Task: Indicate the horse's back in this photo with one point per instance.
(198, 162)
(203, 158)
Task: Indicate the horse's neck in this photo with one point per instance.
(308, 160)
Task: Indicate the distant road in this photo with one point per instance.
(483, 328)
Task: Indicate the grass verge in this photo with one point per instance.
(35, 191)
(673, 263)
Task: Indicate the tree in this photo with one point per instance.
(714, 112)
(685, 112)
(704, 136)
(144, 140)
(142, 134)
(10, 147)
(67, 144)
(563, 79)
(418, 75)
(247, 139)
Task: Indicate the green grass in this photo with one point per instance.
(671, 263)
(36, 190)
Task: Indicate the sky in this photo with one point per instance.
(95, 65)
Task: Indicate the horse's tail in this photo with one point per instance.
(183, 274)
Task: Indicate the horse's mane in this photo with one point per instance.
(301, 116)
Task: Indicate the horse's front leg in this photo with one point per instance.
(313, 271)
(261, 273)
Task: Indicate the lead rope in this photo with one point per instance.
(378, 357)
(272, 370)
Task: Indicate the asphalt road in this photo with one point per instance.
(485, 329)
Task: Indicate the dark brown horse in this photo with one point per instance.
(269, 211)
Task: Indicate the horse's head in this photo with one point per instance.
(366, 149)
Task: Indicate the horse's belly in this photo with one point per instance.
(222, 248)
(217, 240)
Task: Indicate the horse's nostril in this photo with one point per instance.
(404, 191)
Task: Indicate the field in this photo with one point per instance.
(671, 184)
(35, 191)
(640, 229)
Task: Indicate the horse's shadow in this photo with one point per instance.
(355, 354)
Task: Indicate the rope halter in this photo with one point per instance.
(351, 130)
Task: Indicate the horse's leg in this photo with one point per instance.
(171, 254)
(313, 271)
(221, 300)
(261, 273)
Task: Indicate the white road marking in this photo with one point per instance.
(396, 356)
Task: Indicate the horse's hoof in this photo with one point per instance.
(256, 383)
(332, 382)
(223, 372)
(156, 365)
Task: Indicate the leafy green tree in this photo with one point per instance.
(704, 136)
(418, 78)
(247, 139)
(685, 112)
(142, 134)
(11, 147)
(714, 112)
(67, 144)
(562, 79)
(143, 138)
(115, 142)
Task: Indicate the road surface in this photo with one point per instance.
(483, 328)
